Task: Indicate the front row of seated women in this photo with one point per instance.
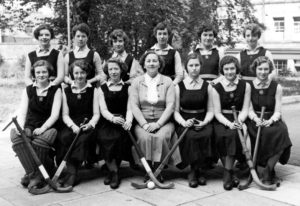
(162, 111)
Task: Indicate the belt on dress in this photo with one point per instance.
(192, 111)
(213, 76)
(227, 111)
(259, 112)
(248, 78)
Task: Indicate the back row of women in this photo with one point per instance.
(158, 97)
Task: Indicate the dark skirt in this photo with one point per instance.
(273, 139)
(114, 142)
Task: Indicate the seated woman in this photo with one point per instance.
(194, 100)
(79, 102)
(113, 139)
(152, 99)
(40, 106)
(230, 91)
(274, 142)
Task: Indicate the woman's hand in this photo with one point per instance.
(127, 125)
(86, 127)
(39, 131)
(118, 120)
(235, 125)
(153, 126)
(258, 121)
(198, 124)
(267, 123)
(75, 129)
(188, 123)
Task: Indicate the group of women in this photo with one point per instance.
(156, 100)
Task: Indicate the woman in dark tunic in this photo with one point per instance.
(39, 110)
(275, 143)
(194, 100)
(79, 102)
(117, 118)
(230, 91)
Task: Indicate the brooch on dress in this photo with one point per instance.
(231, 95)
(261, 92)
(41, 99)
(79, 96)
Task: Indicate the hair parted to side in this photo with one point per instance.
(162, 26)
(119, 62)
(254, 28)
(82, 27)
(36, 32)
(118, 33)
(227, 60)
(82, 64)
(260, 60)
(144, 56)
(193, 56)
(41, 63)
(206, 28)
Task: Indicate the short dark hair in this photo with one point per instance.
(227, 60)
(40, 63)
(82, 27)
(260, 60)
(254, 28)
(162, 26)
(82, 64)
(143, 59)
(206, 28)
(118, 33)
(36, 32)
(193, 56)
(119, 62)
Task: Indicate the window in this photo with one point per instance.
(279, 24)
(297, 24)
(281, 66)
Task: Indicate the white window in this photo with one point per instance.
(281, 66)
(279, 24)
(297, 24)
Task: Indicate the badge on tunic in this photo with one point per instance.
(41, 99)
(261, 92)
(206, 56)
(231, 95)
(79, 96)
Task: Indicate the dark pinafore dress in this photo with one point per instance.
(80, 107)
(210, 65)
(274, 138)
(196, 145)
(113, 140)
(227, 140)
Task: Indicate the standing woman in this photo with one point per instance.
(40, 107)
(252, 33)
(152, 99)
(230, 91)
(194, 100)
(44, 33)
(79, 102)
(173, 66)
(81, 33)
(117, 118)
(275, 143)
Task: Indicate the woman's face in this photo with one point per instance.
(251, 39)
(152, 64)
(207, 38)
(114, 71)
(118, 45)
(193, 68)
(262, 71)
(44, 37)
(41, 74)
(80, 39)
(229, 71)
(79, 75)
(162, 36)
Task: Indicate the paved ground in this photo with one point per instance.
(94, 192)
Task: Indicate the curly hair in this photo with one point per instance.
(82, 27)
(36, 32)
(227, 60)
(119, 62)
(254, 28)
(144, 56)
(41, 63)
(82, 64)
(259, 61)
(118, 33)
(206, 28)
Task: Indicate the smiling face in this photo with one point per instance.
(162, 37)
(262, 71)
(207, 38)
(41, 74)
(118, 45)
(152, 65)
(44, 37)
(229, 71)
(80, 39)
(251, 39)
(193, 68)
(114, 71)
(79, 75)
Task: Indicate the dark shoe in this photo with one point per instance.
(108, 178)
(201, 178)
(227, 180)
(115, 181)
(235, 180)
(134, 166)
(70, 181)
(25, 180)
(192, 178)
(241, 165)
(36, 180)
(266, 176)
(275, 179)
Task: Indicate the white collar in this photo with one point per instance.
(110, 83)
(258, 46)
(156, 47)
(149, 79)
(201, 47)
(227, 82)
(77, 48)
(189, 80)
(39, 49)
(73, 86)
(258, 82)
(122, 55)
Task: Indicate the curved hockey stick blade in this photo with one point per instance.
(47, 189)
(259, 183)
